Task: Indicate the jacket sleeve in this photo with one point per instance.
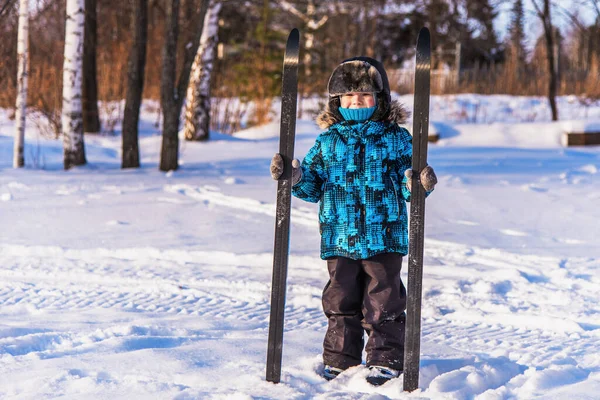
(310, 187)
(405, 162)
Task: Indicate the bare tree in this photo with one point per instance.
(172, 93)
(197, 113)
(596, 5)
(21, 103)
(313, 20)
(543, 12)
(135, 84)
(588, 40)
(72, 117)
(91, 119)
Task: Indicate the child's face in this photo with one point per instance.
(357, 100)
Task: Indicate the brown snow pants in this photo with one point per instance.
(365, 295)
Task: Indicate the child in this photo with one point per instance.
(359, 170)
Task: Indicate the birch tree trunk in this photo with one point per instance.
(197, 112)
(72, 117)
(135, 85)
(21, 103)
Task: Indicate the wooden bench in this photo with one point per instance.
(433, 137)
(581, 138)
(581, 133)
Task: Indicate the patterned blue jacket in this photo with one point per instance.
(356, 172)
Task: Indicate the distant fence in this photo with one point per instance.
(442, 81)
(501, 80)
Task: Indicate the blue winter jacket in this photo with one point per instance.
(356, 172)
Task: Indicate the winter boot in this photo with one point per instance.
(330, 372)
(379, 375)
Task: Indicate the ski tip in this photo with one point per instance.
(424, 34)
(292, 48)
(294, 34)
(423, 60)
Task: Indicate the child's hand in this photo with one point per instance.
(296, 171)
(277, 168)
(427, 177)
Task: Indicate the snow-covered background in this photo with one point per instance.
(136, 284)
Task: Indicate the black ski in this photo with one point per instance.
(289, 95)
(412, 346)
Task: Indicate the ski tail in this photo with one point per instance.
(289, 95)
(412, 345)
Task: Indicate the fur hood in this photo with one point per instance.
(361, 74)
(398, 114)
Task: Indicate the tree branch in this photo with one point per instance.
(5, 7)
(596, 7)
(572, 17)
(286, 6)
(316, 25)
(538, 9)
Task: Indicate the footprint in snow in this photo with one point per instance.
(512, 232)
(465, 222)
(233, 181)
(116, 223)
(534, 188)
(589, 168)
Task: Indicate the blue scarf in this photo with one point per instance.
(357, 114)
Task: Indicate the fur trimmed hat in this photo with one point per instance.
(354, 76)
(361, 74)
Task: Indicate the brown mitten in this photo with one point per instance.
(427, 177)
(277, 168)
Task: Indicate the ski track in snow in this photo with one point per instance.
(212, 195)
(539, 316)
(540, 330)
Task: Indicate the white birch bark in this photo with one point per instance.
(21, 103)
(197, 110)
(72, 115)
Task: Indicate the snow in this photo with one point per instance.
(582, 126)
(136, 284)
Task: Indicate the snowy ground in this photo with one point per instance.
(139, 284)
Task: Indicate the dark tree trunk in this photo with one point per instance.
(170, 140)
(135, 85)
(91, 120)
(549, 36)
(169, 155)
(172, 94)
